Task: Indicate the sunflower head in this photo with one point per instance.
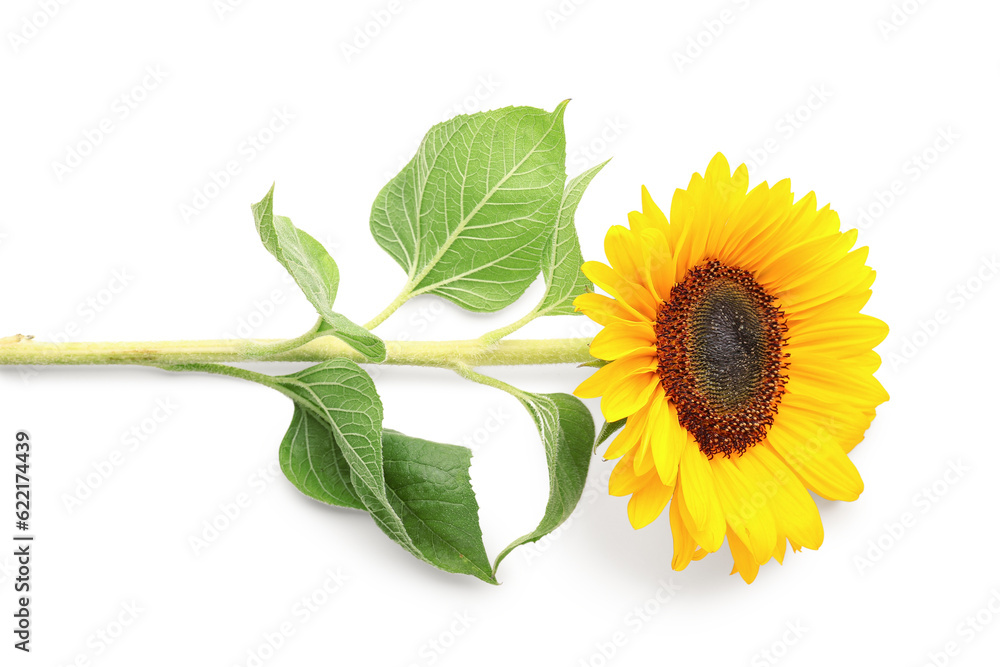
(740, 361)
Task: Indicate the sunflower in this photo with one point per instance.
(740, 361)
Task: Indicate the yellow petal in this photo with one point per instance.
(809, 450)
(859, 330)
(847, 277)
(668, 441)
(638, 222)
(754, 219)
(652, 211)
(689, 246)
(604, 310)
(602, 379)
(845, 423)
(629, 436)
(795, 512)
(700, 507)
(627, 395)
(659, 264)
(747, 510)
(827, 384)
(648, 502)
(621, 339)
(623, 480)
(684, 544)
(724, 192)
(779, 550)
(622, 248)
(743, 561)
(631, 296)
(644, 456)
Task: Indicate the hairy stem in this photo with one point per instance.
(468, 373)
(443, 354)
(256, 350)
(216, 369)
(244, 374)
(403, 297)
(497, 334)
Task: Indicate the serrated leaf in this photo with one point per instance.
(567, 430)
(429, 487)
(311, 460)
(316, 274)
(418, 492)
(608, 430)
(468, 216)
(561, 257)
(343, 396)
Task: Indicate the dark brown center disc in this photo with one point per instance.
(720, 342)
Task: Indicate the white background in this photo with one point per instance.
(868, 101)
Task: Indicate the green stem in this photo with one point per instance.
(217, 369)
(468, 373)
(493, 336)
(244, 374)
(258, 351)
(442, 354)
(403, 297)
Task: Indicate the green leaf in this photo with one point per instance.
(429, 487)
(316, 274)
(354, 335)
(311, 461)
(343, 396)
(567, 430)
(468, 217)
(561, 257)
(417, 491)
(608, 430)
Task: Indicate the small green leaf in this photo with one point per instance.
(428, 485)
(567, 430)
(354, 335)
(561, 257)
(608, 430)
(468, 216)
(316, 274)
(311, 461)
(418, 492)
